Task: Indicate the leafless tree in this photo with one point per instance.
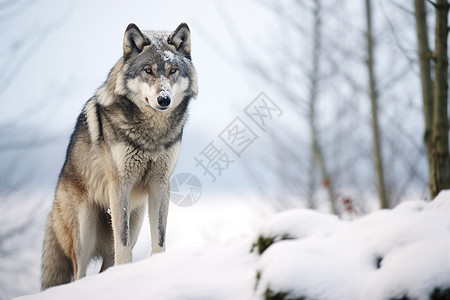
(16, 137)
(435, 93)
(22, 210)
(317, 157)
(317, 58)
(378, 159)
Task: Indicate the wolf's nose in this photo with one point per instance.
(163, 101)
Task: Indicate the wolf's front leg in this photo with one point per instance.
(120, 218)
(158, 209)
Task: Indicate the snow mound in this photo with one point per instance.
(403, 253)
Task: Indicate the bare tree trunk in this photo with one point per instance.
(311, 187)
(440, 155)
(314, 76)
(425, 76)
(435, 94)
(374, 107)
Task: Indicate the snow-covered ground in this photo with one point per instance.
(212, 220)
(403, 253)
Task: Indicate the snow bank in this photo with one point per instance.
(403, 253)
(208, 273)
(389, 254)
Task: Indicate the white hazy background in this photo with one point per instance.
(55, 54)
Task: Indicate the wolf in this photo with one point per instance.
(121, 155)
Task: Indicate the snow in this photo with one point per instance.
(388, 254)
(165, 87)
(168, 55)
(211, 273)
(298, 223)
(411, 243)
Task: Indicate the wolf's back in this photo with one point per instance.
(56, 267)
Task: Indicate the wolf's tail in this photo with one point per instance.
(56, 267)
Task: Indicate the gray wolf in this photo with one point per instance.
(121, 154)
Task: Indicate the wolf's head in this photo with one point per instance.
(157, 70)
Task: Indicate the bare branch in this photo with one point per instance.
(432, 3)
(412, 63)
(11, 72)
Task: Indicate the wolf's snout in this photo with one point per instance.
(163, 101)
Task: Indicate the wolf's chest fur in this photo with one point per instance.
(124, 122)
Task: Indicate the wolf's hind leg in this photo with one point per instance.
(87, 239)
(105, 239)
(108, 261)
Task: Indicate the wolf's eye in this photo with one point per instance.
(172, 71)
(148, 70)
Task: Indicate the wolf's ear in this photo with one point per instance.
(133, 41)
(181, 40)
